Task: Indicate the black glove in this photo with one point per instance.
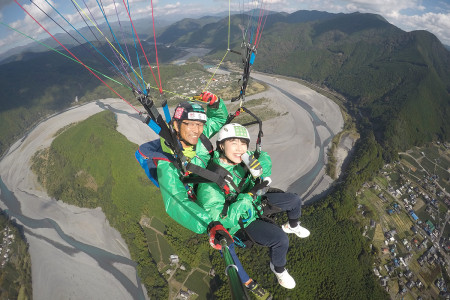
(216, 233)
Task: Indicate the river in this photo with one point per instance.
(106, 260)
(76, 254)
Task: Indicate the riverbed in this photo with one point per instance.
(76, 254)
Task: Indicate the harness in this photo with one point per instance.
(267, 213)
(149, 154)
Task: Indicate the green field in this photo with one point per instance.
(166, 249)
(199, 283)
(435, 158)
(205, 268)
(158, 225)
(153, 244)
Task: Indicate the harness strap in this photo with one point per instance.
(166, 131)
(207, 143)
(245, 236)
(214, 173)
(230, 199)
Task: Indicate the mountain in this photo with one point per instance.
(86, 34)
(183, 28)
(399, 81)
(40, 84)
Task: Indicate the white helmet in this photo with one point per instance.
(233, 130)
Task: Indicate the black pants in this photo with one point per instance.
(271, 235)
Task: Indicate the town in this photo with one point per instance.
(405, 209)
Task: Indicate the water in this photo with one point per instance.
(198, 52)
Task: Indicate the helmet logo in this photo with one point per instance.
(196, 116)
(178, 113)
(240, 131)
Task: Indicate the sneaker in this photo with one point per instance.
(300, 231)
(259, 292)
(284, 278)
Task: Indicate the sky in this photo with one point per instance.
(408, 15)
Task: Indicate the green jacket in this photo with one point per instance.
(174, 194)
(212, 198)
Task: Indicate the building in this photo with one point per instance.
(413, 215)
(174, 259)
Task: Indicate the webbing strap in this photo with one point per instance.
(217, 175)
(166, 132)
(207, 143)
(232, 198)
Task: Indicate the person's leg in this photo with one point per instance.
(291, 203)
(268, 234)
(248, 282)
(272, 236)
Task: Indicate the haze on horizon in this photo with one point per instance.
(408, 15)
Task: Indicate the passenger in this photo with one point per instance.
(190, 121)
(243, 215)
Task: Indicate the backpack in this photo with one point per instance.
(148, 156)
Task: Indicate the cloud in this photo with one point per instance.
(382, 6)
(436, 23)
(405, 14)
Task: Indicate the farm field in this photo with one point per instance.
(405, 209)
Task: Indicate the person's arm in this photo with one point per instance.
(241, 209)
(176, 201)
(216, 118)
(266, 163)
(212, 199)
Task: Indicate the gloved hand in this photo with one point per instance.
(261, 187)
(216, 233)
(252, 164)
(209, 98)
(267, 181)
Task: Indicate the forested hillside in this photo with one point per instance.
(15, 261)
(44, 83)
(399, 80)
(76, 171)
(333, 263)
